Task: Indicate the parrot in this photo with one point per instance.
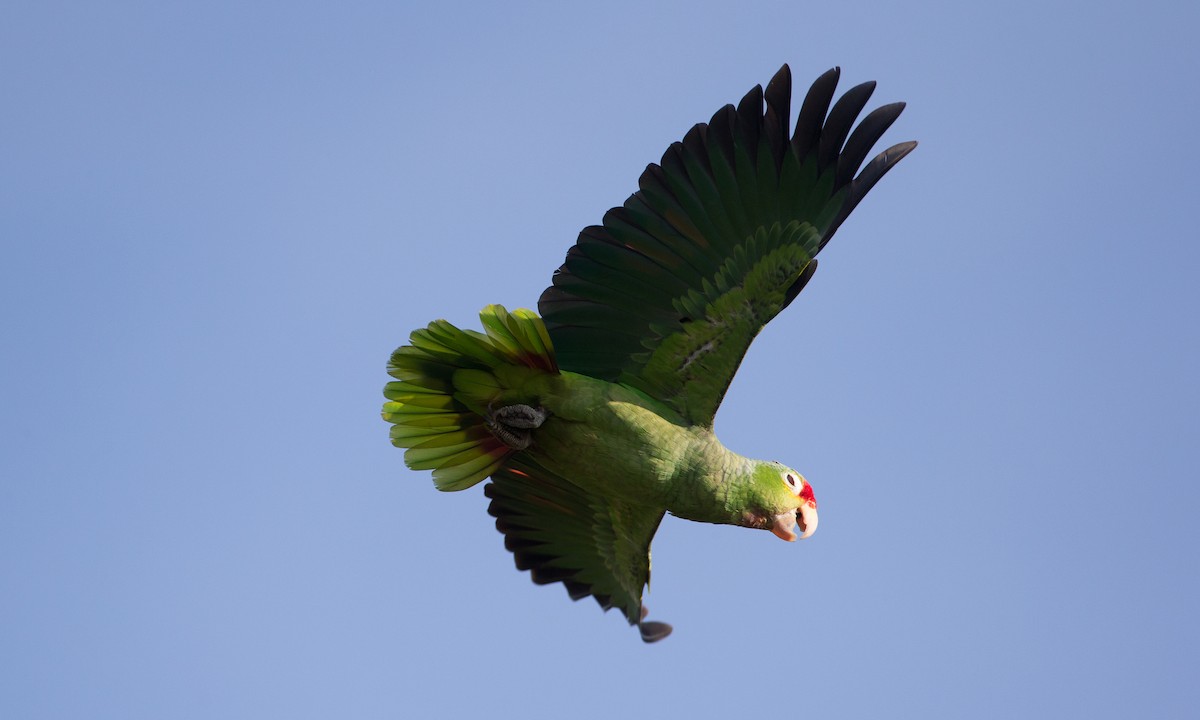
(595, 418)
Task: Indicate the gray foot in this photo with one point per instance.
(523, 417)
(512, 424)
(652, 630)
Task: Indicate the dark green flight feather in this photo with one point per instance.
(668, 293)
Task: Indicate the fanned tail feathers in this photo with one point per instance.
(445, 381)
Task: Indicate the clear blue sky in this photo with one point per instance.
(219, 218)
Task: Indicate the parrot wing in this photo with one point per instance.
(668, 293)
(560, 532)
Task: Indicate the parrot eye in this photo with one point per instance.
(794, 483)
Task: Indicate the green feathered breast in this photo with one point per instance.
(595, 419)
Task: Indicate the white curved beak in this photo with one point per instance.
(808, 519)
(785, 524)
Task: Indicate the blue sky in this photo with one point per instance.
(218, 219)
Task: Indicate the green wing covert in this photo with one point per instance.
(560, 532)
(668, 292)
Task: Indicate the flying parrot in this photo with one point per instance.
(596, 419)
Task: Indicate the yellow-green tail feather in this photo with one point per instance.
(445, 379)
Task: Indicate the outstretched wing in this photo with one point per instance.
(667, 294)
(593, 545)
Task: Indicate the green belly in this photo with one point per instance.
(606, 437)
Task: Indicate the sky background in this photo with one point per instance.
(218, 219)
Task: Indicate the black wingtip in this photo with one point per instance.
(781, 82)
(841, 120)
(778, 97)
(812, 112)
(750, 116)
(864, 137)
(871, 174)
(878, 167)
(899, 150)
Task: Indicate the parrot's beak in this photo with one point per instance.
(785, 524)
(808, 518)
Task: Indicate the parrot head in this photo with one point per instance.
(779, 499)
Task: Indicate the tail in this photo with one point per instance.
(446, 381)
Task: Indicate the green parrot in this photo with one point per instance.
(595, 419)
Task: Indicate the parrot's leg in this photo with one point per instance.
(512, 424)
(652, 630)
(520, 416)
